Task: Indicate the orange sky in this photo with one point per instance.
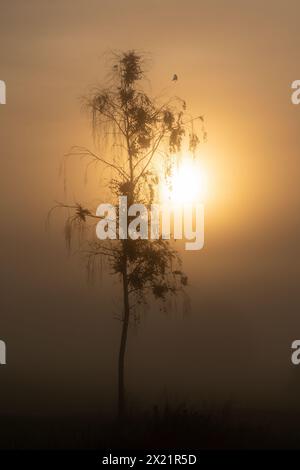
(235, 62)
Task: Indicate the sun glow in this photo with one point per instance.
(186, 185)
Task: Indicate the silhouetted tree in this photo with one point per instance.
(139, 132)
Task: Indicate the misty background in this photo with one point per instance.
(235, 62)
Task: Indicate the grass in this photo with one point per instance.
(159, 428)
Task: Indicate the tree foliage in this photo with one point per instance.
(143, 132)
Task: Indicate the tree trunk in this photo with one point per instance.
(121, 397)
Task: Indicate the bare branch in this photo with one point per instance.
(83, 151)
(155, 147)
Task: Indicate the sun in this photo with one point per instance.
(186, 185)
